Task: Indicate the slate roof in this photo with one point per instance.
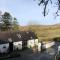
(16, 36)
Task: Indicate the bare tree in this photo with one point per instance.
(46, 2)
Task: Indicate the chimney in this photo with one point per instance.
(10, 45)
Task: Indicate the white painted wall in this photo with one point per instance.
(58, 48)
(2, 49)
(36, 42)
(17, 45)
(48, 44)
(30, 43)
(39, 46)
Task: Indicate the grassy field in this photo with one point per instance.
(44, 32)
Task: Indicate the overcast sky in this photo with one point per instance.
(28, 11)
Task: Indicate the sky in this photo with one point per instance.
(28, 12)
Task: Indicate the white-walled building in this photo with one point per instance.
(4, 48)
(17, 40)
(17, 45)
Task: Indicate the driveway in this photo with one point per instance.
(33, 56)
(47, 55)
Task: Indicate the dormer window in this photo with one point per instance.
(9, 39)
(27, 32)
(31, 37)
(19, 36)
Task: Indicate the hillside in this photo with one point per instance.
(44, 32)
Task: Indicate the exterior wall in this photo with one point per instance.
(39, 46)
(17, 45)
(30, 43)
(48, 44)
(36, 42)
(58, 48)
(4, 48)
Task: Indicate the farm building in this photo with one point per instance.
(10, 41)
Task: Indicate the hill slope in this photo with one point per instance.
(44, 32)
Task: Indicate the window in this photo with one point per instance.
(4, 46)
(19, 44)
(27, 32)
(19, 36)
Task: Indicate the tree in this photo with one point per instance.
(46, 2)
(7, 19)
(1, 20)
(15, 24)
(8, 22)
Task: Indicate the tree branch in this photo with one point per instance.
(45, 3)
(41, 2)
